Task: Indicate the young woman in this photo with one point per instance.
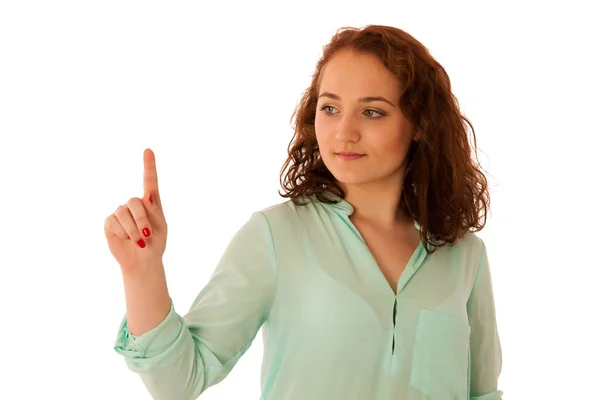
(369, 283)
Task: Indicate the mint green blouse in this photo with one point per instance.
(332, 327)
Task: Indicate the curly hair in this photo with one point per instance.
(444, 190)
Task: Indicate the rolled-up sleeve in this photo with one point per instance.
(485, 350)
(144, 352)
(184, 355)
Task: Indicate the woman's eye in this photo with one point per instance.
(370, 114)
(326, 108)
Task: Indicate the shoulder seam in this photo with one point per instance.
(261, 213)
(479, 267)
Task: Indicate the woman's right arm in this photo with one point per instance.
(179, 357)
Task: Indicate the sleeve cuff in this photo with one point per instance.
(152, 343)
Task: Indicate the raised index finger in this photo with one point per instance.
(151, 177)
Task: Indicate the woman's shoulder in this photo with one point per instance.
(289, 208)
(470, 246)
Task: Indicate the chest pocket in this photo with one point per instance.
(441, 356)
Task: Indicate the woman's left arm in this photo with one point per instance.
(485, 350)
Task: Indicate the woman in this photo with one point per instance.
(370, 283)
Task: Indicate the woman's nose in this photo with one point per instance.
(347, 129)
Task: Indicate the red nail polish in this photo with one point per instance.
(146, 232)
(141, 243)
(150, 198)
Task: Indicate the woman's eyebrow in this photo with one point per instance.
(362, 99)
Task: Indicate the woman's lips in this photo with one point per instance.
(349, 157)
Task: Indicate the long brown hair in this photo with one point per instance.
(444, 189)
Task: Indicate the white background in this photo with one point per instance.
(86, 86)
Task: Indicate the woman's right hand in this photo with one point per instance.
(137, 231)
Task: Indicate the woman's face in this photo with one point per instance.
(358, 111)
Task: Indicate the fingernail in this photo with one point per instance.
(141, 243)
(150, 198)
(146, 232)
